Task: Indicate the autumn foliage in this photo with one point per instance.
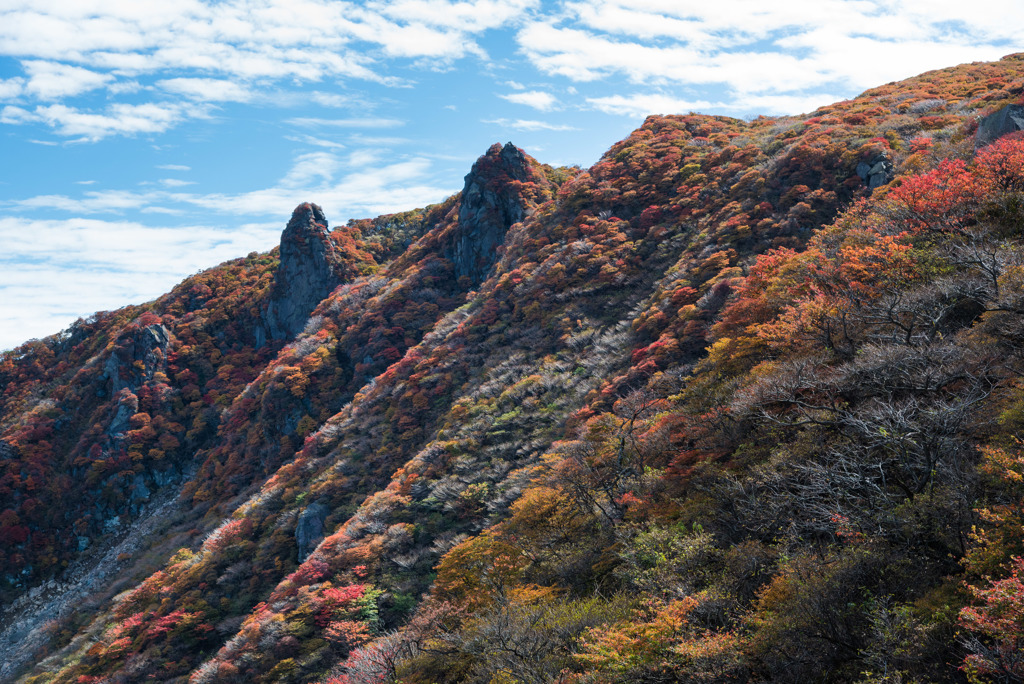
(739, 402)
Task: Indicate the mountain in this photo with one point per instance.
(738, 402)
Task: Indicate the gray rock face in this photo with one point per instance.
(148, 345)
(492, 201)
(877, 171)
(1009, 119)
(309, 529)
(304, 277)
(127, 406)
(140, 492)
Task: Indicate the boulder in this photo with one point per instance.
(1009, 119)
(877, 171)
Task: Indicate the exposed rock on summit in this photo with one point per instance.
(495, 197)
(306, 274)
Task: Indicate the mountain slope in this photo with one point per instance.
(564, 422)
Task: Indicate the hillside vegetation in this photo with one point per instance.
(740, 402)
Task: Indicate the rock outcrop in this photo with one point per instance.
(306, 274)
(1009, 119)
(877, 171)
(309, 529)
(139, 354)
(493, 199)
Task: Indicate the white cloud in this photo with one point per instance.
(755, 49)
(11, 88)
(583, 56)
(643, 104)
(52, 271)
(92, 202)
(528, 125)
(330, 99)
(247, 39)
(53, 81)
(232, 51)
(175, 182)
(207, 89)
(537, 99)
(316, 142)
(366, 182)
(174, 167)
(117, 119)
(468, 17)
(380, 140)
(362, 122)
(15, 115)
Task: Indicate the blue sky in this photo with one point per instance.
(142, 142)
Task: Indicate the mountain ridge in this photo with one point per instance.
(503, 406)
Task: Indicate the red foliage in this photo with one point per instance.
(999, 622)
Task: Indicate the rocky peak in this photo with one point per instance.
(494, 197)
(305, 275)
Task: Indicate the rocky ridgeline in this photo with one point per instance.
(493, 200)
(306, 275)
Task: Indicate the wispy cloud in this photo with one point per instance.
(365, 182)
(316, 142)
(330, 99)
(528, 125)
(537, 99)
(237, 51)
(207, 89)
(641, 104)
(755, 49)
(52, 271)
(53, 80)
(117, 119)
(11, 88)
(362, 122)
